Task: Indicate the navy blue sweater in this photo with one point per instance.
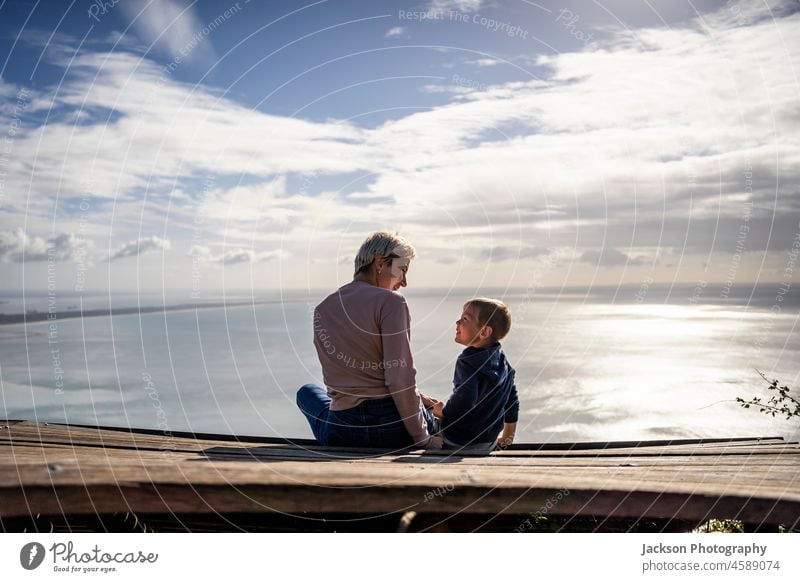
(484, 397)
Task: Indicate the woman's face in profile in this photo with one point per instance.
(393, 273)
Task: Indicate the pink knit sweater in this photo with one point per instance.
(362, 335)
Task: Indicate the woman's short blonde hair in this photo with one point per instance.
(382, 243)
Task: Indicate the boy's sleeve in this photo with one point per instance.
(512, 405)
(465, 392)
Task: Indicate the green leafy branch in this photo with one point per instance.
(780, 402)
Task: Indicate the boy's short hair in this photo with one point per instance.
(491, 312)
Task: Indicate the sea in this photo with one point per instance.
(647, 362)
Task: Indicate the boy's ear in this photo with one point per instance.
(486, 332)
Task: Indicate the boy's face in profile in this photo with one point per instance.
(467, 328)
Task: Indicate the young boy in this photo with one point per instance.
(484, 398)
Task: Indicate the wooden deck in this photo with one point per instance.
(74, 478)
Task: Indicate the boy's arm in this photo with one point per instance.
(465, 392)
(512, 406)
(511, 417)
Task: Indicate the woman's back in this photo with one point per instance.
(361, 333)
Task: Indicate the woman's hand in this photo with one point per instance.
(437, 410)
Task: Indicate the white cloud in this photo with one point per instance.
(736, 13)
(172, 26)
(17, 246)
(234, 256)
(485, 62)
(609, 257)
(621, 124)
(455, 5)
(454, 89)
(509, 253)
(142, 246)
(264, 204)
(200, 253)
(152, 131)
(395, 31)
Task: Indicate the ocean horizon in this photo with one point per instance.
(641, 362)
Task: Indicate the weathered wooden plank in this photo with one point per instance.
(759, 462)
(32, 432)
(135, 437)
(352, 474)
(779, 476)
(659, 452)
(326, 452)
(521, 446)
(50, 468)
(735, 453)
(149, 498)
(786, 478)
(57, 475)
(9, 450)
(764, 441)
(31, 455)
(757, 465)
(699, 472)
(423, 493)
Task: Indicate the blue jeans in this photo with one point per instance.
(373, 423)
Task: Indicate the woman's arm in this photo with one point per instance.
(398, 365)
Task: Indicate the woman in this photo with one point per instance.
(362, 333)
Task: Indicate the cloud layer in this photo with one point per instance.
(659, 141)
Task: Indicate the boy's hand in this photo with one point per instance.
(435, 444)
(437, 409)
(504, 442)
(507, 437)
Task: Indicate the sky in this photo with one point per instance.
(212, 145)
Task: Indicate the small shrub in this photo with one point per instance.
(780, 402)
(720, 526)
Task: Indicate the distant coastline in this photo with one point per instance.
(761, 296)
(38, 316)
